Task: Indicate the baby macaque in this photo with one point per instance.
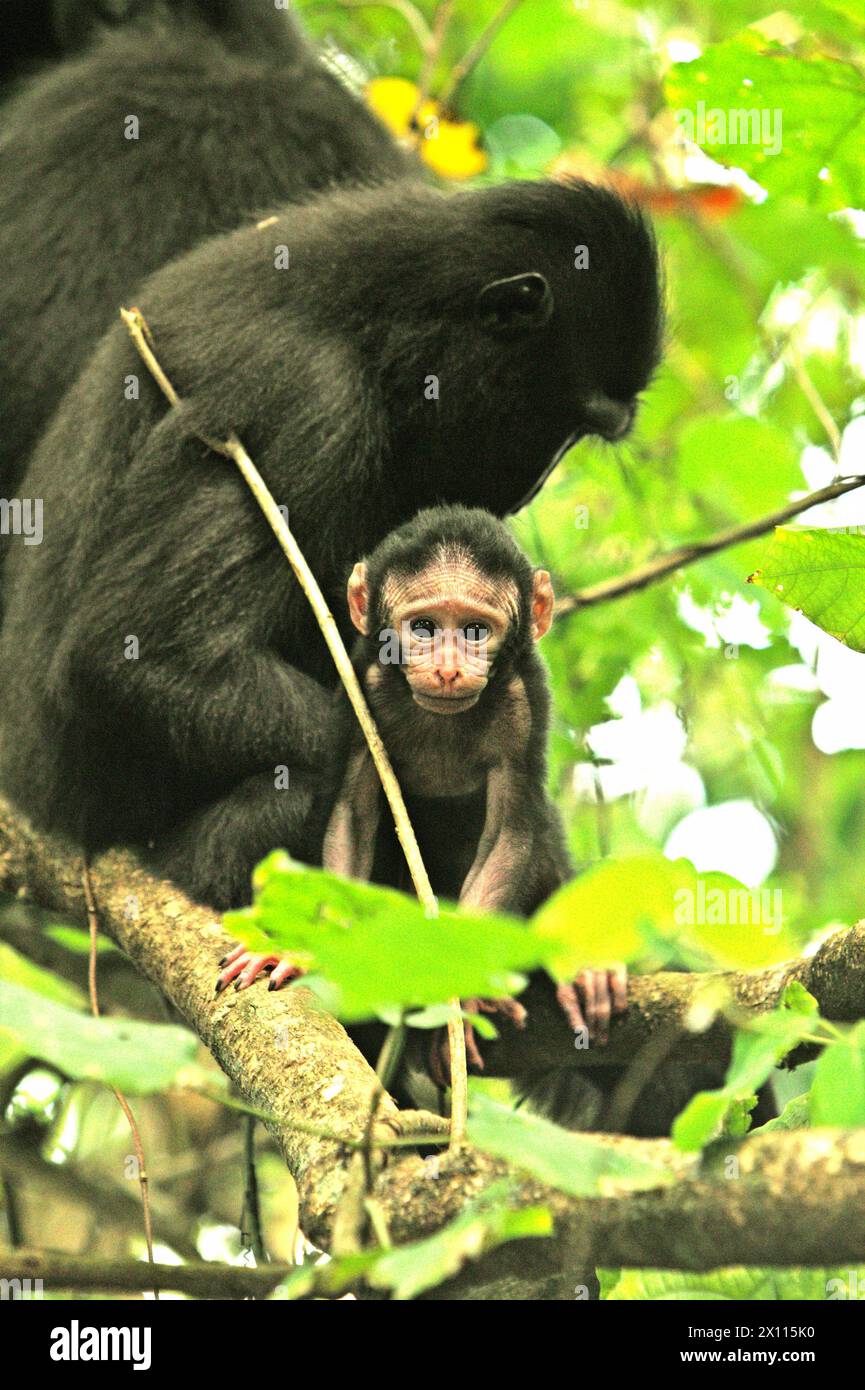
(450, 611)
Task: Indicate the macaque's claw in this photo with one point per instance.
(592, 999)
(440, 1052)
(241, 967)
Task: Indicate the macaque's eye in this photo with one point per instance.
(423, 628)
(517, 303)
(476, 632)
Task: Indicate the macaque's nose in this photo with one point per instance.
(447, 674)
(608, 418)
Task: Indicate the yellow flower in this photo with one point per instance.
(449, 147)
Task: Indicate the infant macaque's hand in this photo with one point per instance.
(242, 968)
(440, 1052)
(592, 999)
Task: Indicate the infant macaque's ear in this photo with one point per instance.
(358, 598)
(543, 600)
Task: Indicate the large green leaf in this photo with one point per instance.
(136, 1057)
(755, 1054)
(820, 573)
(837, 1096)
(18, 970)
(377, 947)
(647, 907)
(734, 1283)
(819, 102)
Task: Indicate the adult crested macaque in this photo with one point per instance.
(151, 125)
(36, 32)
(449, 611)
(376, 351)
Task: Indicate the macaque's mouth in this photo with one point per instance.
(445, 704)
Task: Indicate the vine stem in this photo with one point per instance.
(141, 1162)
(232, 448)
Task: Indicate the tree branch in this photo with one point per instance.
(682, 555)
(662, 1005)
(797, 1199)
(288, 1058)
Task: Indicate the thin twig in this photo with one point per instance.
(233, 449)
(254, 1239)
(143, 1182)
(409, 12)
(332, 1136)
(432, 53)
(814, 399)
(469, 61)
(670, 560)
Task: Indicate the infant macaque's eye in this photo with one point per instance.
(423, 627)
(476, 632)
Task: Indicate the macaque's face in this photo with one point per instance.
(445, 626)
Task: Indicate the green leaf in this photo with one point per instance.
(755, 1055)
(812, 107)
(77, 941)
(837, 1096)
(18, 970)
(376, 947)
(734, 1283)
(574, 1163)
(629, 909)
(795, 1115)
(820, 573)
(136, 1057)
(605, 915)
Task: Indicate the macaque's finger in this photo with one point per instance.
(510, 1009)
(569, 1003)
(235, 963)
(513, 1011)
(244, 969)
(619, 984)
(439, 1063)
(473, 1056)
(587, 989)
(282, 973)
(596, 984)
(234, 954)
(256, 965)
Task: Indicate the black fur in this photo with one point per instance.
(34, 33)
(236, 113)
(321, 370)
